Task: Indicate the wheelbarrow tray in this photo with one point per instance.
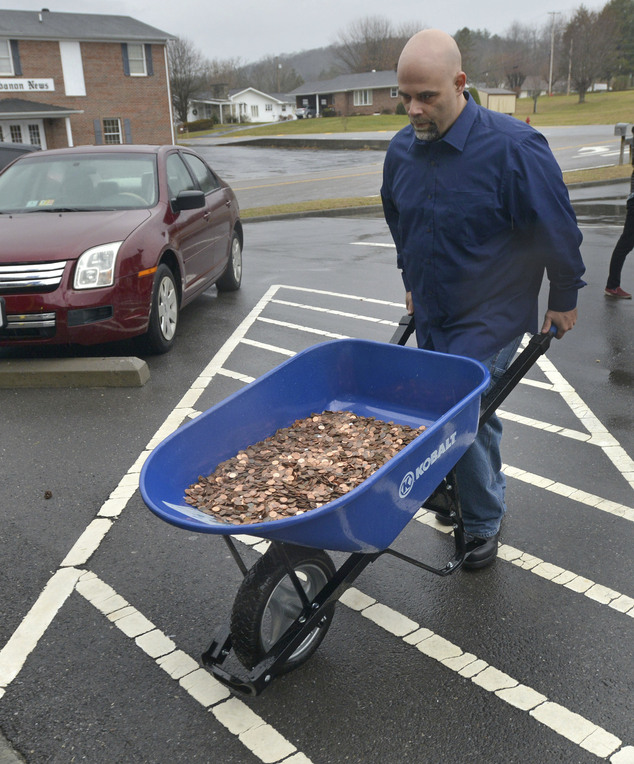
(397, 384)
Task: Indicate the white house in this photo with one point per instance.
(244, 105)
(254, 106)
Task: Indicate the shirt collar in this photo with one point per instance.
(457, 134)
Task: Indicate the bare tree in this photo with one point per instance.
(590, 38)
(273, 75)
(481, 56)
(186, 73)
(372, 43)
(223, 75)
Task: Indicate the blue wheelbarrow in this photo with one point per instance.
(286, 601)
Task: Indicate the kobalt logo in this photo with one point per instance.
(407, 483)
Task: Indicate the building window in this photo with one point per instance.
(16, 134)
(136, 60)
(6, 59)
(34, 135)
(394, 93)
(269, 107)
(255, 111)
(112, 131)
(363, 98)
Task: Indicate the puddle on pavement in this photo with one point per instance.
(592, 212)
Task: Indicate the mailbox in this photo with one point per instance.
(621, 128)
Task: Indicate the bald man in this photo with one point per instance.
(478, 210)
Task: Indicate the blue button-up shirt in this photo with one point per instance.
(477, 217)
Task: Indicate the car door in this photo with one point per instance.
(190, 232)
(218, 205)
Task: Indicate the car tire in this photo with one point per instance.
(232, 277)
(159, 337)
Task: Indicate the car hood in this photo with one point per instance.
(47, 236)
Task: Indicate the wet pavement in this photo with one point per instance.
(525, 662)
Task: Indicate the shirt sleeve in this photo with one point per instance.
(540, 205)
(391, 214)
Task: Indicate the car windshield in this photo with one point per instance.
(79, 183)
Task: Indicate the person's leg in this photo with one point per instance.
(623, 247)
(481, 482)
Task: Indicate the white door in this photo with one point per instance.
(23, 131)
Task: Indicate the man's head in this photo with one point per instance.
(431, 83)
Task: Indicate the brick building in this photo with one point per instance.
(68, 79)
(351, 94)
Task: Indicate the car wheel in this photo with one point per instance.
(232, 277)
(159, 337)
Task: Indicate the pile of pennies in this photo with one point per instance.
(299, 468)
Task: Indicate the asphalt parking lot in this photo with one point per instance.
(106, 609)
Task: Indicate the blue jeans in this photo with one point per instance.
(481, 483)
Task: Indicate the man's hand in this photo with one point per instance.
(563, 321)
(409, 303)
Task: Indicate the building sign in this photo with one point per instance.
(26, 86)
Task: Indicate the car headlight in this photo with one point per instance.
(95, 268)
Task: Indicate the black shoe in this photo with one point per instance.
(440, 504)
(443, 516)
(481, 552)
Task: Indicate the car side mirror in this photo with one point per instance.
(188, 200)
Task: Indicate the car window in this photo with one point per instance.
(206, 179)
(79, 182)
(178, 177)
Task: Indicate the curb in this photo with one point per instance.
(73, 372)
(369, 209)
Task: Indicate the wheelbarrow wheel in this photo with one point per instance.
(267, 604)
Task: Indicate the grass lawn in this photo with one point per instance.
(599, 109)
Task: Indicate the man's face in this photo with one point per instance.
(433, 100)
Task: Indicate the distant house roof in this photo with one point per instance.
(48, 25)
(346, 82)
(497, 91)
(15, 108)
(279, 97)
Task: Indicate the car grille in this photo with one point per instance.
(29, 326)
(34, 277)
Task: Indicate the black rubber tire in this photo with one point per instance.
(161, 332)
(232, 277)
(266, 604)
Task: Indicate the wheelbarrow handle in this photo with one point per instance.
(404, 331)
(538, 345)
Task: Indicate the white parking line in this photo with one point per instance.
(254, 733)
(201, 686)
(603, 595)
(577, 729)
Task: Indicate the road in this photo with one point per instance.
(106, 609)
(286, 175)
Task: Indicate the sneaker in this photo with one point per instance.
(618, 292)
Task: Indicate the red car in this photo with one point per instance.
(101, 243)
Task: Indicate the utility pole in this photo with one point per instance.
(552, 51)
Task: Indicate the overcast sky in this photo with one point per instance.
(253, 29)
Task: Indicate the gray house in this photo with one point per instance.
(351, 94)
